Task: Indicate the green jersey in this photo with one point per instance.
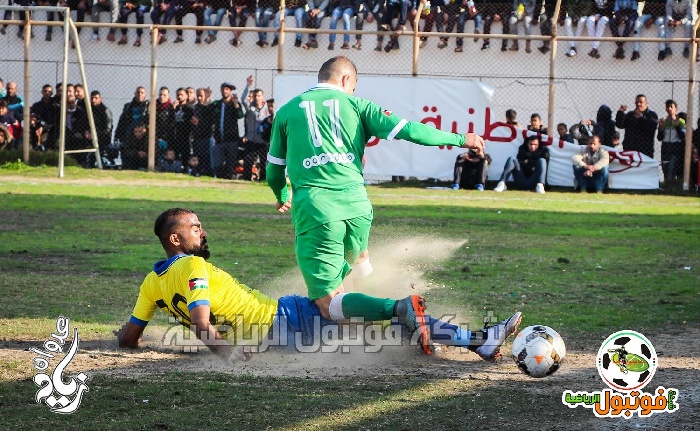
(320, 136)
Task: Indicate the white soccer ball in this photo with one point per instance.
(538, 351)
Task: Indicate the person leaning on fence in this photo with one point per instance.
(528, 167)
(591, 167)
(672, 136)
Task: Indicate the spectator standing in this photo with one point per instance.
(640, 126)
(528, 168)
(256, 147)
(672, 137)
(133, 113)
(165, 118)
(103, 125)
(182, 116)
(226, 112)
(202, 124)
(15, 103)
(46, 118)
(591, 167)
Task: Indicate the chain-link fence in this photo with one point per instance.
(487, 41)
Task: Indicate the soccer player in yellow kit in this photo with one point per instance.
(217, 308)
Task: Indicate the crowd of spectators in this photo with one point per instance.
(527, 170)
(193, 133)
(201, 136)
(391, 16)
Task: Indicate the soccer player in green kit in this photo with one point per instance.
(320, 137)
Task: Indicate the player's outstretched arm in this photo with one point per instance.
(129, 335)
(207, 333)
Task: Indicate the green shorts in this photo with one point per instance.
(326, 252)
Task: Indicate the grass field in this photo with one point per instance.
(587, 265)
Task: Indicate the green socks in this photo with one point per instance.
(369, 307)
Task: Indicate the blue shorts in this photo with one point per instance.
(298, 320)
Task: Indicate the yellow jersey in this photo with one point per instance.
(183, 282)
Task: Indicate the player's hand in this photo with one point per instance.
(283, 208)
(474, 142)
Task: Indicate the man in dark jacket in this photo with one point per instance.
(202, 124)
(226, 112)
(640, 126)
(134, 112)
(529, 167)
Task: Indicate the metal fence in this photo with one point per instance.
(562, 89)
